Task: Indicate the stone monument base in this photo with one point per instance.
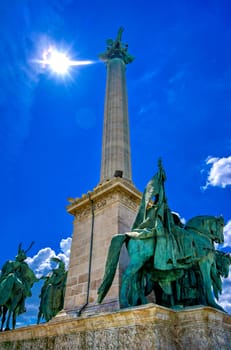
(142, 328)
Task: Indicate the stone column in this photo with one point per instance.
(116, 140)
(116, 155)
(112, 206)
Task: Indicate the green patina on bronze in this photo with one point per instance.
(16, 281)
(116, 49)
(178, 262)
(52, 292)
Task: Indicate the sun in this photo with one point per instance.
(58, 61)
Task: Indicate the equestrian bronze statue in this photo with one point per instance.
(177, 261)
(16, 281)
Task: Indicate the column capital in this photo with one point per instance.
(116, 49)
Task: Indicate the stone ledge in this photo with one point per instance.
(110, 186)
(195, 328)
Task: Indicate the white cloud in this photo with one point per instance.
(220, 172)
(65, 246)
(225, 298)
(41, 264)
(227, 234)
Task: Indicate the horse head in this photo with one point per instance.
(61, 264)
(211, 226)
(217, 228)
(223, 261)
(21, 256)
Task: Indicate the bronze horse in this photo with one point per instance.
(13, 303)
(196, 239)
(16, 281)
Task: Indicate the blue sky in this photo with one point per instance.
(179, 88)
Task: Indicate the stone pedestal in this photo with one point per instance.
(148, 327)
(109, 209)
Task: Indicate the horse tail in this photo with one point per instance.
(111, 264)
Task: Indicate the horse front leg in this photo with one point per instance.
(39, 316)
(127, 284)
(14, 315)
(205, 268)
(4, 311)
(8, 320)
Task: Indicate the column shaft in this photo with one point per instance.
(116, 139)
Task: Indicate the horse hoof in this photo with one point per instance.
(124, 305)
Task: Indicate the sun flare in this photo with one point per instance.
(58, 61)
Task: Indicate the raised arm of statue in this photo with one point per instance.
(119, 34)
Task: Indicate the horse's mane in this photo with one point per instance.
(199, 220)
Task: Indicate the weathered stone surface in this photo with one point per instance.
(115, 204)
(149, 327)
